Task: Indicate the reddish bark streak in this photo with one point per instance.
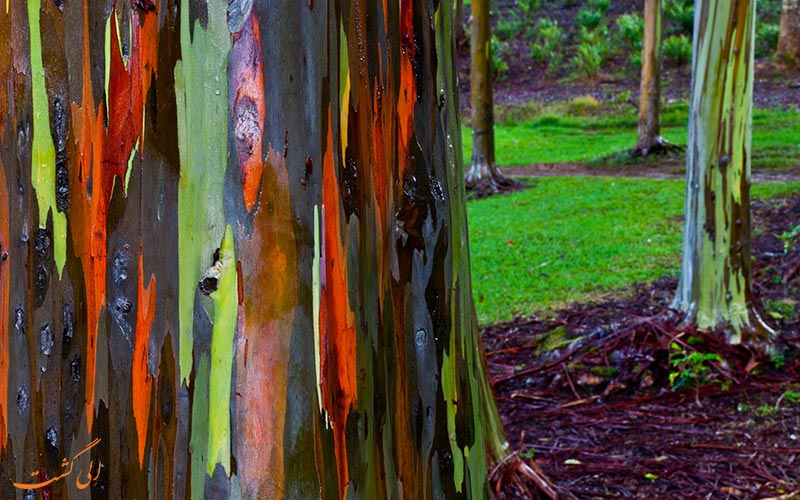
(247, 106)
(337, 331)
(141, 381)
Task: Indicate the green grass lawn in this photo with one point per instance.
(573, 238)
(552, 136)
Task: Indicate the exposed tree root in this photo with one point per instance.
(659, 146)
(488, 186)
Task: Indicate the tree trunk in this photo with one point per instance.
(483, 175)
(233, 253)
(649, 137)
(788, 52)
(715, 287)
(458, 21)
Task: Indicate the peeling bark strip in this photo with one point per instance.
(715, 286)
(206, 316)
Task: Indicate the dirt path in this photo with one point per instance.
(665, 170)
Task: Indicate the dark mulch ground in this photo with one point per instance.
(587, 396)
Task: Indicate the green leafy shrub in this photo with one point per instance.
(678, 49)
(499, 64)
(508, 27)
(588, 19)
(548, 38)
(766, 39)
(528, 8)
(682, 13)
(630, 30)
(690, 368)
(599, 5)
(588, 60)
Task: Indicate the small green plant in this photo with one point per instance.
(588, 60)
(509, 26)
(599, 5)
(780, 309)
(682, 13)
(678, 49)
(789, 238)
(528, 8)
(548, 38)
(691, 368)
(789, 396)
(630, 29)
(765, 410)
(766, 39)
(499, 64)
(588, 18)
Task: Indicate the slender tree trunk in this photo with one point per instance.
(483, 175)
(233, 254)
(458, 21)
(649, 137)
(715, 287)
(788, 52)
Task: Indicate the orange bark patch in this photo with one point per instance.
(141, 382)
(337, 330)
(408, 86)
(247, 106)
(269, 281)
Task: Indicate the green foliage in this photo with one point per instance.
(791, 397)
(682, 13)
(678, 49)
(588, 19)
(588, 60)
(766, 39)
(790, 238)
(529, 7)
(690, 367)
(599, 5)
(508, 27)
(630, 30)
(548, 39)
(499, 64)
(780, 309)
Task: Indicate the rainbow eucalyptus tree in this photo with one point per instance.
(483, 175)
(649, 138)
(715, 289)
(233, 253)
(788, 52)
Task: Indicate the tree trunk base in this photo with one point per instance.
(659, 146)
(488, 186)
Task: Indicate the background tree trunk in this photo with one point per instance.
(483, 175)
(715, 287)
(458, 21)
(649, 136)
(233, 253)
(788, 52)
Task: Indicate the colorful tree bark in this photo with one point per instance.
(715, 289)
(233, 253)
(483, 174)
(649, 138)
